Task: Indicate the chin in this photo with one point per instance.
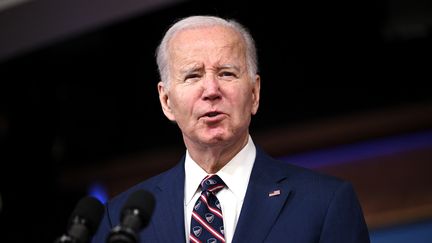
(213, 139)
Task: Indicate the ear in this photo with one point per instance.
(256, 94)
(165, 101)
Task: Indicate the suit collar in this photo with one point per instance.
(265, 197)
(258, 214)
(169, 227)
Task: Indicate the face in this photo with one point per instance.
(211, 95)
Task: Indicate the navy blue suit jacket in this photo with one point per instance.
(311, 207)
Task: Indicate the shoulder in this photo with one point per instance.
(298, 178)
(152, 185)
(308, 189)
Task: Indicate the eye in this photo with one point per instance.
(192, 76)
(227, 74)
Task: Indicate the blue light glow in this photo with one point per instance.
(413, 233)
(360, 151)
(98, 191)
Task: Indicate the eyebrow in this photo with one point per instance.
(199, 67)
(229, 66)
(191, 69)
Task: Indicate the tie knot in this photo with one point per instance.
(212, 183)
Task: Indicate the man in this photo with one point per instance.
(211, 89)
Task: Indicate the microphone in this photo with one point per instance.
(84, 221)
(135, 216)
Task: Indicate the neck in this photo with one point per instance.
(212, 158)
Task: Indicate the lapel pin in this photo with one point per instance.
(274, 193)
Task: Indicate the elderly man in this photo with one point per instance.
(226, 189)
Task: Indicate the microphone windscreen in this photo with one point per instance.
(144, 202)
(89, 209)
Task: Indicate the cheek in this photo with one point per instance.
(242, 103)
(182, 104)
(246, 100)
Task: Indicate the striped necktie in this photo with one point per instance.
(207, 222)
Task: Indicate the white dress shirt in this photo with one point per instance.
(235, 174)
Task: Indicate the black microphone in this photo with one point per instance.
(84, 221)
(135, 216)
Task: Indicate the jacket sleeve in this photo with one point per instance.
(344, 221)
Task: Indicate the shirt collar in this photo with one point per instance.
(235, 173)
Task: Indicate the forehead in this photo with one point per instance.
(201, 40)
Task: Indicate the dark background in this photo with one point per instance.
(92, 96)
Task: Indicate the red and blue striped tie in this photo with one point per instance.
(207, 222)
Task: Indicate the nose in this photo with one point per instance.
(211, 88)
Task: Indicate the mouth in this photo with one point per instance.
(212, 114)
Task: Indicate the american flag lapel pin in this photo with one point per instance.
(274, 193)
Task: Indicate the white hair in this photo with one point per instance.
(162, 52)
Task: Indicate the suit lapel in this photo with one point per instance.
(169, 226)
(265, 197)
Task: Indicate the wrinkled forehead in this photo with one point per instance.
(215, 42)
(217, 36)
